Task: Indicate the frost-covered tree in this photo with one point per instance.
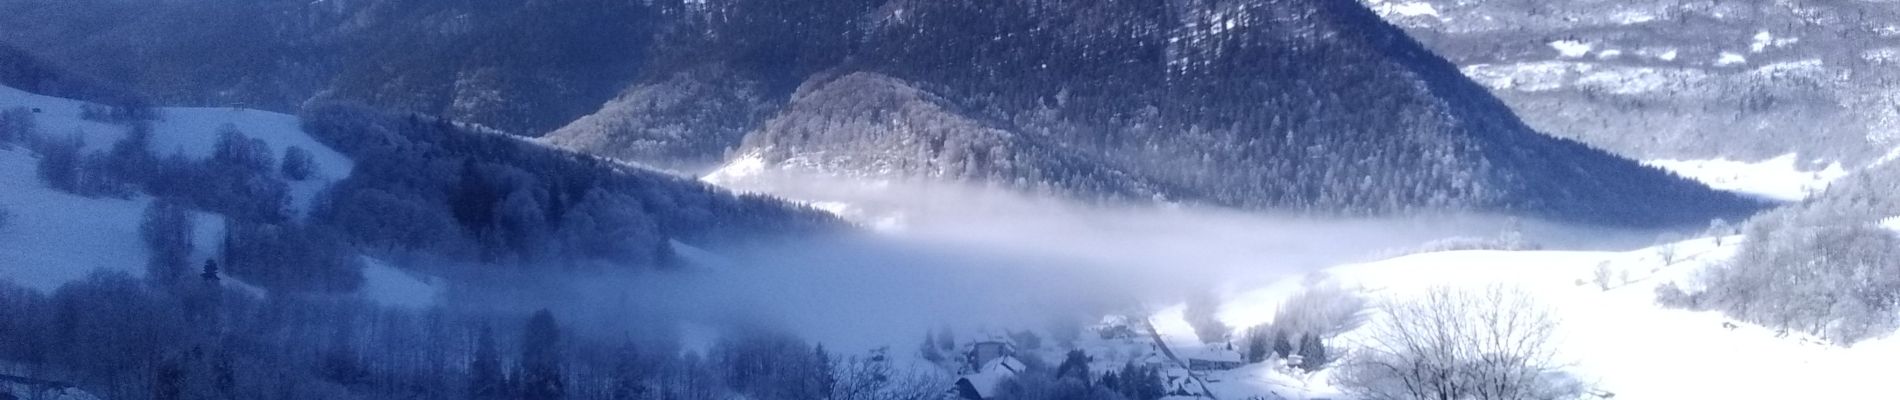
(298, 164)
(1476, 344)
(1282, 346)
(1841, 281)
(1075, 365)
(1323, 310)
(1313, 354)
(1667, 246)
(1718, 229)
(59, 164)
(929, 350)
(167, 230)
(541, 360)
(1258, 343)
(130, 158)
(767, 365)
(485, 377)
(1601, 276)
(17, 125)
(291, 257)
(235, 149)
(630, 374)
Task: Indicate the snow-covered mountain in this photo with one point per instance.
(1685, 83)
(1341, 114)
(1048, 177)
(1336, 113)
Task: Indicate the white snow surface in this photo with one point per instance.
(1571, 48)
(1616, 341)
(1556, 75)
(1408, 9)
(1781, 178)
(1727, 58)
(55, 237)
(192, 131)
(1631, 17)
(745, 166)
(1764, 40)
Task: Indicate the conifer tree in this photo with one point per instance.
(1281, 345)
(929, 349)
(485, 381)
(541, 377)
(1312, 353)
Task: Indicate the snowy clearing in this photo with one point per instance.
(1781, 178)
(54, 237)
(1559, 75)
(1571, 48)
(193, 132)
(1406, 9)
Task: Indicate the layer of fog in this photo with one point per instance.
(988, 260)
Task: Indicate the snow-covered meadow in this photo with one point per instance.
(54, 237)
(1616, 341)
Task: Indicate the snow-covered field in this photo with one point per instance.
(55, 237)
(193, 132)
(1781, 178)
(1617, 341)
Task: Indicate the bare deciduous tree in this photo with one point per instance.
(1324, 310)
(1487, 344)
(1602, 276)
(1666, 246)
(874, 378)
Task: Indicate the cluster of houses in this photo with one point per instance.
(991, 359)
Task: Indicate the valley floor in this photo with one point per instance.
(1617, 341)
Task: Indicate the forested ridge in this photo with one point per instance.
(1306, 105)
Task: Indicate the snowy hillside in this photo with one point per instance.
(1617, 342)
(1745, 81)
(54, 237)
(193, 132)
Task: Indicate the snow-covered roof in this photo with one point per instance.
(992, 373)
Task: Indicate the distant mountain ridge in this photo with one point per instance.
(1742, 80)
(1335, 112)
(1302, 105)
